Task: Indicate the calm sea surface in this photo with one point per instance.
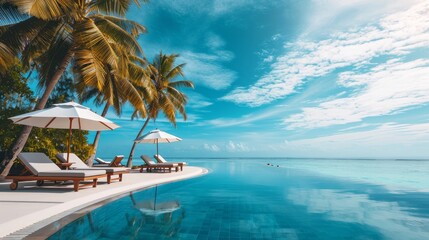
(288, 199)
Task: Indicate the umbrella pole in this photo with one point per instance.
(156, 146)
(70, 138)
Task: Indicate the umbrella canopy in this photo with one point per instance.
(157, 136)
(65, 116)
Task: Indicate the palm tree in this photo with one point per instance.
(118, 90)
(166, 98)
(55, 33)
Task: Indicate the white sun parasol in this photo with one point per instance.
(157, 136)
(68, 115)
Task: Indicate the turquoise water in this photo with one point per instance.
(293, 199)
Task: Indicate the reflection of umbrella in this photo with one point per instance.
(157, 136)
(149, 208)
(62, 116)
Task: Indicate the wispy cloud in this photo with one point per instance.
(237, 147)
(208, 69)
(387, 89)
(396, 34)
(230, 146)
(197, 101)
(388, 140)
(211, 147)
(243, 120)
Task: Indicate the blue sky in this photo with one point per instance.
(286, 78)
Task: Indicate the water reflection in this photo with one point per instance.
(246, 198)
(391, 220)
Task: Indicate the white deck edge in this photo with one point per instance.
(8, 229)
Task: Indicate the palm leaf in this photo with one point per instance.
(116, 7)
(117, 34)
(6, 57)
(130, 93)
(44, 9)
(51, 31)
(88, 35)
(175, 72)
(132, 27)
(17, 36)
(182, 83)
(49, 61)
(91, 71)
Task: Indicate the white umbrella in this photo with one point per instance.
(157, 136)
(65, 116)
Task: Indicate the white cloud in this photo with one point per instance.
(333, 15)
(211, 147)
(214, 41)
(388, 140)
(269, 58)
(243, 120)
(237, 147)
(208, 70)
(398, 33)
(387, 89)
(197, 101)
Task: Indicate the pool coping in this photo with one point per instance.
(22, 227)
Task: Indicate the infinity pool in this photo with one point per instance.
(287, 199)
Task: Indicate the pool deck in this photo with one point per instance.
(30, 207)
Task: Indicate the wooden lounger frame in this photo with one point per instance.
(40, 179)
(109, 176)
(76, 181)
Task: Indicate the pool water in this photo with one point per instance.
(287, 199)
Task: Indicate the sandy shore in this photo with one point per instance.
(30, 207)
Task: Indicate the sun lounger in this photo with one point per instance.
(101, 161)
(151, 165)
(116, 162)
(160, 159)
(40, 168)
(79, 165)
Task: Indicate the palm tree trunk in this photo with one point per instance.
(90, 161)
(130, 158)
(19, 143)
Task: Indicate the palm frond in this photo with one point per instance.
(137, 60)
(132, 27)
(181, 83)
(43, 9)
(130, 93)
(115, 7)
(17, 36)
(50, 60)
(167, 107)
(137, 72)
(6, 57)
(91, 70)
(51, 32)
(87, 34)
(117, 34)
(175, 72)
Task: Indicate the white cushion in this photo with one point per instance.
(38, 162)
(77, 162)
